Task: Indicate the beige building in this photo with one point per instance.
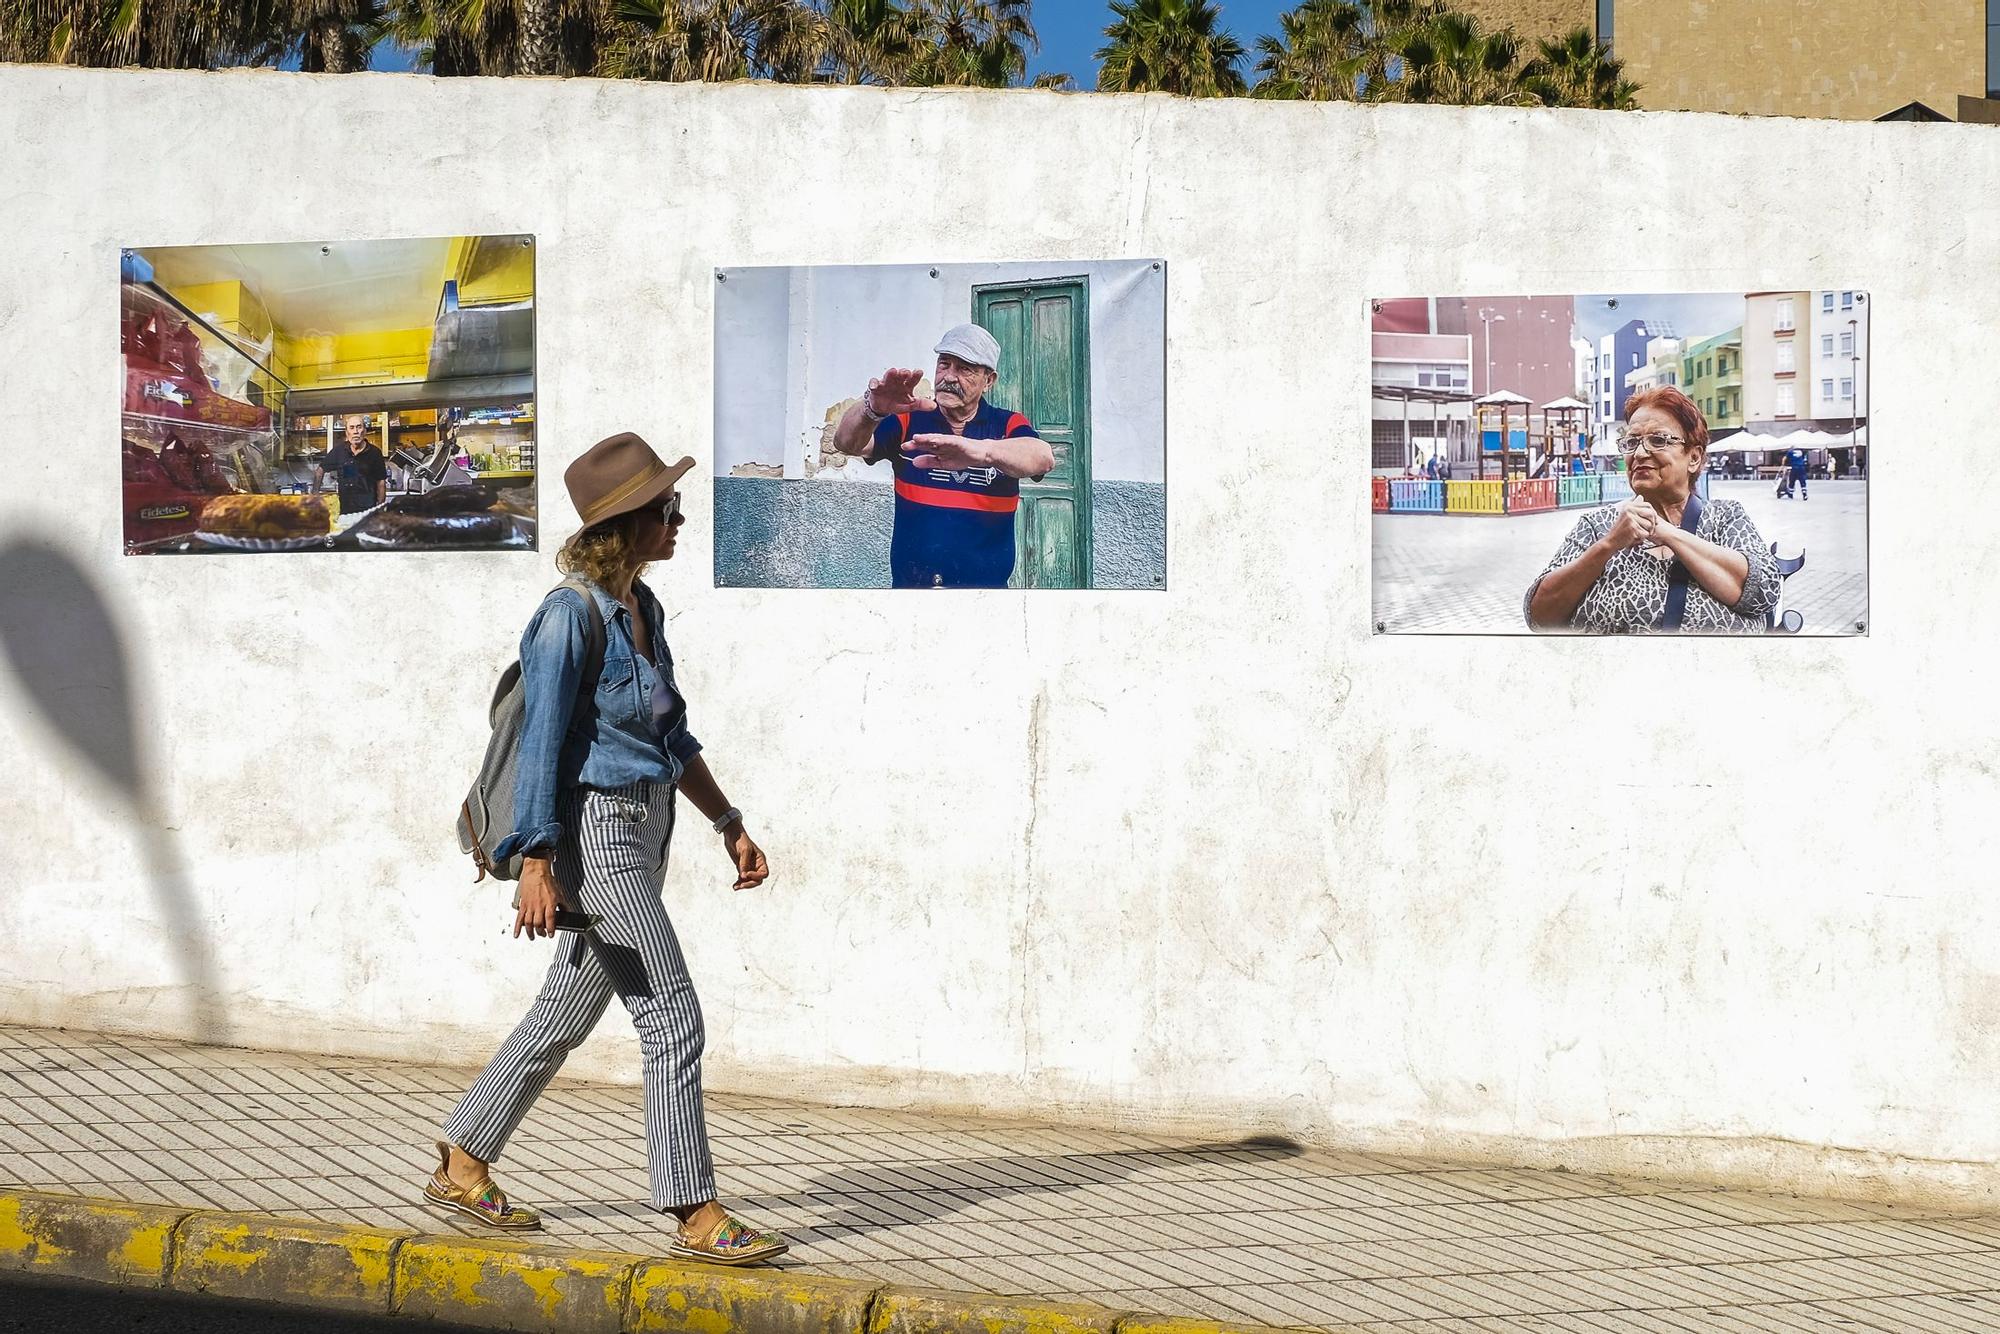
(1843, 59)
(1777, 331)
(1846, 59)
(1533, 18)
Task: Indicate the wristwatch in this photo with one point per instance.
(868, 406)
(727, 818)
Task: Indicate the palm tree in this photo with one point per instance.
(1319, 54)
(455, 37)
(1170, 46)
(1453, 60)
(333, 36)
(713, 40)
(1575, 71)
(159, 34)
(869, 41)
(975, 43)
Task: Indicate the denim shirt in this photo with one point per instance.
(610, 740)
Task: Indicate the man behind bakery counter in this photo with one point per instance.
(364, 473)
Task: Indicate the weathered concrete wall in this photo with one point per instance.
(1219, 859)
(771, 533)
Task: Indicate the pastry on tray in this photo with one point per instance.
(445, 500)
(397, 528)
(266, 516)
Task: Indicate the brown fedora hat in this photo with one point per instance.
(619, 475)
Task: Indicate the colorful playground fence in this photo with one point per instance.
(1528, 497)
(1418, 497)
(1475, 497)
(1514, 497)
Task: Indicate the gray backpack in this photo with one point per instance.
(487, 816)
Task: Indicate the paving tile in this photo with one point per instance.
(1134, 1221)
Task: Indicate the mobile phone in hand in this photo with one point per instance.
(576, 921)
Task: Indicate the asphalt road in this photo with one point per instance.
(40, 1306)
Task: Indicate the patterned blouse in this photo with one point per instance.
(1631, 595)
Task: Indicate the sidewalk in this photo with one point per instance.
(1243, 1233)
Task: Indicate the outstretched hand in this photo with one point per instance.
(932, 450)
(896, 391)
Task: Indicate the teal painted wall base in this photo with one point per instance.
(771, 533)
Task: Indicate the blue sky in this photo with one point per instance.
(1071, 32)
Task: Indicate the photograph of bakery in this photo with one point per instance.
(329, 396)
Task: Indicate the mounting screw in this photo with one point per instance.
(326, 250)
(1381, 627)
(721, 277)
(1156, 266)
(933, 273)
(1861, 625)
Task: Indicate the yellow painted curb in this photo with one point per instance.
(327, 1266)
(73, 1236)
(1167, 1324)
(926, 1311)
(513, 1285)
(669, 1295)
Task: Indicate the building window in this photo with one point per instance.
(1847, 344)
(1846, 387)
(1847, 301)
(1826, 345)
(1604, 23)
(1788, 361)
(1388, 445)
(1826, 302)
(1992, 46)
(1788, 401)
(1826, 389)
(1786, 315)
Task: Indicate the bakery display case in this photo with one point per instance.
(198, 419)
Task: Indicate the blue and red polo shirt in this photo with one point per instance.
(954, 529)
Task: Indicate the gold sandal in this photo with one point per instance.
(730, 1242)
(485, 1201)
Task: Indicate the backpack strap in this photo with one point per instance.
(593, 634)
(1677, 574)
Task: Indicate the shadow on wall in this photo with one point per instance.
(58, 636)
(927, 1190)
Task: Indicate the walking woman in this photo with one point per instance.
(600, 763)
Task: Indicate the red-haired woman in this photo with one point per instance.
(1663, 560)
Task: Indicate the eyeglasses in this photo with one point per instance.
(671, 510)
(1631, 442)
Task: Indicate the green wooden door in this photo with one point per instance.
(1044, 334)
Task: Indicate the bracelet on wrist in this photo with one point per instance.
(727, 818)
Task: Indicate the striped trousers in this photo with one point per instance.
(611, 861)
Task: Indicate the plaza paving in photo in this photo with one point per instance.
(1467, 574)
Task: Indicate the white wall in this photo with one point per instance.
(1218, 860)
(809, 338)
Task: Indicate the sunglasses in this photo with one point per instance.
(671, 509)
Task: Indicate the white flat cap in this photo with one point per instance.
(969, 342)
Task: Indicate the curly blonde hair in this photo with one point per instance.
(602, 551)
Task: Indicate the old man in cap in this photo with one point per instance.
(959, 461)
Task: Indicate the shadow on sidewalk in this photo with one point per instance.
(58, 636)
(906, 1194)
